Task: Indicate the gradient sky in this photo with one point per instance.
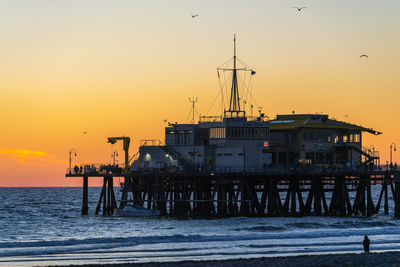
(119, 67)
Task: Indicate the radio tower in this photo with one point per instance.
(193, 101)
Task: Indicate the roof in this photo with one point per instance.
(314, 121)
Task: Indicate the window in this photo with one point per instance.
(336, 139)
(282, 158)
(329, 157)
(357, 138)
(273, 158)
(310, 156)
(319, 157)
(217, 133)
(245, 132)
(290, 137)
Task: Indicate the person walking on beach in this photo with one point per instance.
(366, 244)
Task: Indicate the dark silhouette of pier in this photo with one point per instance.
(300, 192)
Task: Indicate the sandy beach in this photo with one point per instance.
(361, 259)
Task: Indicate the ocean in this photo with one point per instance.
(43, 226)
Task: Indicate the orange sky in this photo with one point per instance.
(116, 68)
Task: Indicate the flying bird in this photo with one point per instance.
(363, 56)
(84, 132)
(194, 15)
(165, 120)
(299, 8)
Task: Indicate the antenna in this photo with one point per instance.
(231, 84)
(234, 102)
(193, 101)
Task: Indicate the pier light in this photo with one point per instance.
(392, 146)
(115, 153)
(147, 157)
(70, 153)
(372, 148)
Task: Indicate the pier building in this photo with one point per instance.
(240, 165)
(318, 140)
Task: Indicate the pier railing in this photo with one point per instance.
(95, 169)
(151, 142)
(221, 118)
(98, 169)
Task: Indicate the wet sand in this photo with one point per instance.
(361, 259)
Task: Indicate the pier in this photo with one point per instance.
(273, 193)
(233, 164)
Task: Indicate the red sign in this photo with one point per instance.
(266, 144)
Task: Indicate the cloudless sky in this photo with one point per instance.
(120, 67)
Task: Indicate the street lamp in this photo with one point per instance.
(392, 145)
(115, 153)
(373, 148)
(373, 153)
(72, 150)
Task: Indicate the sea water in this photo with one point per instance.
(43, 226)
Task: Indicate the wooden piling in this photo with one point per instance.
(224, 195)
(396, 195)
(85, 202)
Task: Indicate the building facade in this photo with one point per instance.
(318, 140)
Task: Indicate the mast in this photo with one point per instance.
(234, 100)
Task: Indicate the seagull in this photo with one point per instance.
(165, 120)
(299, 8)
(346, 115)
(84, 132)
(194, 15)
(363, 56)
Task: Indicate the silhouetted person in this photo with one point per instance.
(366, 244)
